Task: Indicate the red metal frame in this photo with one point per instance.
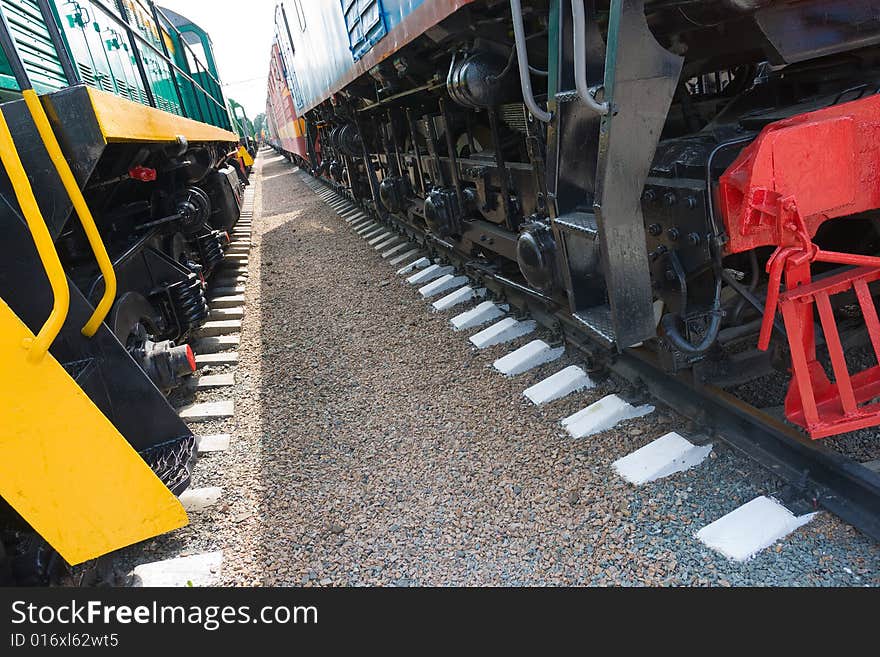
(813, 401)
(800, 172)
(797, 174)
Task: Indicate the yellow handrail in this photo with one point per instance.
(39, 345)
(82, 210)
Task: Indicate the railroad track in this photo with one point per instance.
(496, 310)
(487, 311)
(215, 346)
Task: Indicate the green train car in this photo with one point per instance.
(122, 178)
(243, 127)
(121, 47)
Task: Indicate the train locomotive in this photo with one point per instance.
(121, 181)
(693, 181)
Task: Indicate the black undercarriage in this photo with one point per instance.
(438, 135)
(600, 218)
(163, 213)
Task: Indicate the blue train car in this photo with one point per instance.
(331, 43)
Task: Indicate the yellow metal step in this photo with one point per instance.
(63, 466)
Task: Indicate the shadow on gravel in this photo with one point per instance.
(293, 402)
(279, 176)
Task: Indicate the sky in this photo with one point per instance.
(241, 31)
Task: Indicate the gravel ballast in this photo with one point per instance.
(372, 445)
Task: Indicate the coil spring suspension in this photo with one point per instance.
(188, 303)
(210, 247)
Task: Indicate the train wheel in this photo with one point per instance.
(133, 323)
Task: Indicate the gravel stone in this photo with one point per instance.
(357, 408)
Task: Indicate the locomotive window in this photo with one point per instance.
(195, 53)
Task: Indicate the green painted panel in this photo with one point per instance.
(104, 55)
(35, 46)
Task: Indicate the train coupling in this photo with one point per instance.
(165, 363)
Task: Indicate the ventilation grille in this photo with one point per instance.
(515, 116)
(33, 41)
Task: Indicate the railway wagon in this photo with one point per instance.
(286, 131)
(687, 185)
(243, 127)
(121, 179)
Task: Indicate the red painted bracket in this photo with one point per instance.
(813, 401)
(828, 161)
(797, 174)
(144, 174)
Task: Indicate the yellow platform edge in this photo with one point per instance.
(123, 120)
